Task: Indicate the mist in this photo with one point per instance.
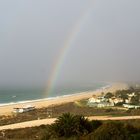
(33, 32)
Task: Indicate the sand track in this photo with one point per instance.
(52, 120)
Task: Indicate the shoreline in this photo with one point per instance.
(40, 103)
(53, 98)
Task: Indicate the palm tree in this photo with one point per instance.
(83, 125)
(71, 125)
(65, 125)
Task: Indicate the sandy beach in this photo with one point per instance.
(7, 110)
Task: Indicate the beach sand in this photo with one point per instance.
(7, 110)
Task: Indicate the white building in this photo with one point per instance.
(115, 100)
(99, 102)
(131, 94)
(128, 101)
(24, 109)
(131, 106)
(95, 99)
(105, 104)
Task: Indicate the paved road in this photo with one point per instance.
(50, 121)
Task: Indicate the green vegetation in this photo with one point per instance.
(77, 127)
(109, 95)
(69, 107)
(71, 125)
(122, 94)
(130, 98)
(81, 103)
(110, 131)
(135, 100)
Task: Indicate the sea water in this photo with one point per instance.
(15, 95)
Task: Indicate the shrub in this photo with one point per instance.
(110, 131)
(70, 126)
(95, 124)
(136, 136)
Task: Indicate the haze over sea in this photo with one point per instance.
(16, 95)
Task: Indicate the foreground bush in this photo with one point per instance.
(69, 125)
(110, 131)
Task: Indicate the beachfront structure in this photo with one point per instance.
(24, 109)
(128, 101)
(99, 102)
(95, 99)
(131, 95)
(115, 100)
(131, 106)
(92, 104)
(105, 104)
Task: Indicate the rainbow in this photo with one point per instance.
(65, 49)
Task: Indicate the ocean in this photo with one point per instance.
(13, 96)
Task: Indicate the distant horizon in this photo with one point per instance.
(47, 43)
(8, 87)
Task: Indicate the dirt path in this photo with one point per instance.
(50, 121)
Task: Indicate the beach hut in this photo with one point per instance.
(24, 109)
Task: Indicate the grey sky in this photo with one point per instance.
(32, 33)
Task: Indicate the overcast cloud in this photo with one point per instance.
(33, 32)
